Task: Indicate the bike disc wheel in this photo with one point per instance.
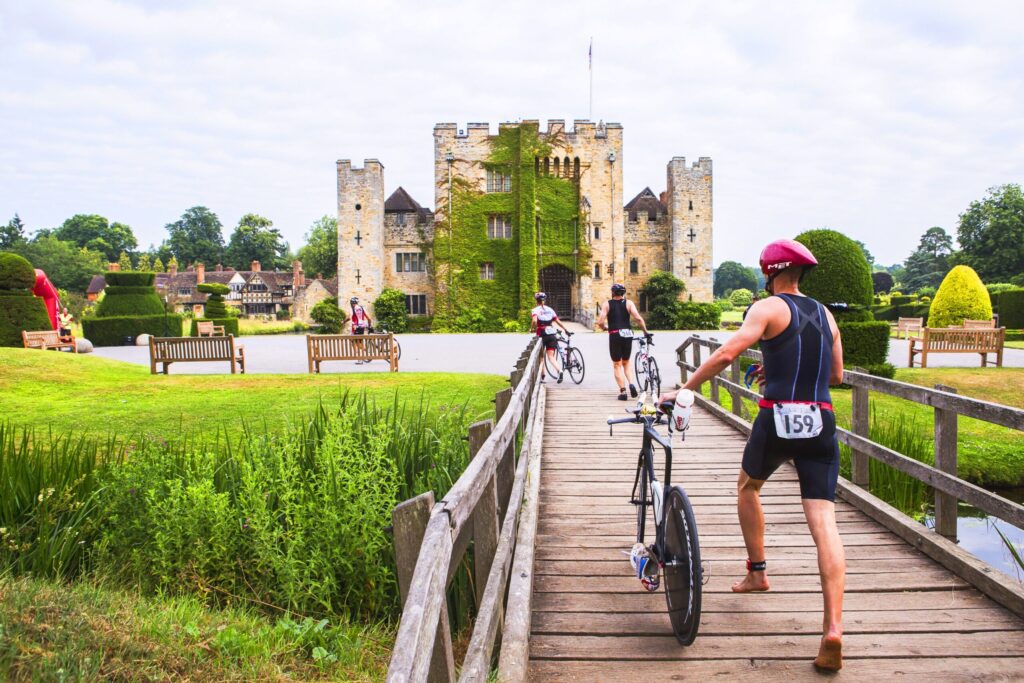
(553, 363)
(640, 369)
(653, 378)
(683, 574)
(575, 366)
(398, 350)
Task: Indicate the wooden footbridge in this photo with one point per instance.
(543, 511)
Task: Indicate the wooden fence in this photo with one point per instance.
(494, 505)
(942, 477)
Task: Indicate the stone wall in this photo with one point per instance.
(689, 200)
(360, 231)
(410, 234)
(649, 242)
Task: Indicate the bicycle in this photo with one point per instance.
(676, 547)
(398, 347)
(647, 374)
(568, 357)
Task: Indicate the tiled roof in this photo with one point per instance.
(646, 201)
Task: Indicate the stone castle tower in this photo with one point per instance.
(553, 199)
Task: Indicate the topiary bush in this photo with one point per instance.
(389, 308)
(20, 310)
(328, 316)
(130, 278)
(842, 275)
(741, 297)
(663, 291)
(215, 308)
(112, 331)
(1011, 308)
(865, 343)
(130, 307)
(961, 296)
(901, 299)
(230, 325)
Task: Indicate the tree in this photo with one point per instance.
(961, 296)
(124, 262)
(731, 275)
(12, 233)
(663, 291)
(881, 281)
(741, 297)
(327, 314)
(158, 266)
(95, 233)
(320, 253)
(255, 240)
(389, 309)
(867, 254)
(842, 274)
(930, 261)
(68, 266)
(991, 234)
(196, 237)
(144, 265)
(19, 310)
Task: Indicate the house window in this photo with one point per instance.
(184, 291)
(499, 226)
(643, 302)
(399, 219)
(236, 286)
(597, 271)
(416, 304)
(487, 270)
(411, 262)
(634, 266)
(499, 180)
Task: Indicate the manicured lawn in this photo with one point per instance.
(733, 316)
(96, 395)
(254, 326)
(82, 632)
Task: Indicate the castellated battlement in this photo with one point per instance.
(582, 129)
(702, 165)
(372, 165)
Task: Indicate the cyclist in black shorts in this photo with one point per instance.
(544, 320)
(803, 355)
(615, 317)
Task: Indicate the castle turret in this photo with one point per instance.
(360, 231)
(689, 205)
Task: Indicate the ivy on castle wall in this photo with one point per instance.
(464, 301)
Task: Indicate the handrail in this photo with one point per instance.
(470, 503)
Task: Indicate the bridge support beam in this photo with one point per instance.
(945, 460)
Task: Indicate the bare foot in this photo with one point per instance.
(753, 582)
(830, 654)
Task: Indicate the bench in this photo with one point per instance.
(979, 324)
(982, 341)
(364, 347)
(47, 339)
(167, 350)
(206, 328)
(908, 325)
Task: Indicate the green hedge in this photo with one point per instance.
(1014, 335)
(120, 305)
(902, 299)
(894, 313)
(865, 344)
(112, 330)
(853, 315)
(690, 315)
(230, 325)
(122, 290)
(420, 323)
(16, 273)
(129, 278)
(1011, 308)
(21, 311)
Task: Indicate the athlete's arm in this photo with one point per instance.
(836, 376)
(535, 322)
(635, 315)
(604, 314)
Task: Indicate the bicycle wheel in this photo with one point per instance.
(683, 574)
(398, 349)
(575, 365)
(653, 378)
(553, 363)
(640, 369)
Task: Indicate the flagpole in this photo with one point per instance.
(590, 68)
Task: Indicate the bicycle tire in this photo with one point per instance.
(576, 366)
(653, 377)
(552, 364)
(683, 573)
(640, 369)
(398, 349)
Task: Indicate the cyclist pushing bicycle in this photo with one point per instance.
(544, 320)
(616, 315)
(803, 355)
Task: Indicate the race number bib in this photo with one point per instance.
(626, 334)
(549, 330)
(797, 420)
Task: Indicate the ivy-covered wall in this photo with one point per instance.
(461, 244)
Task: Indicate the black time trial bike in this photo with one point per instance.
(384, 330)
(676, 546)
(567, 357)
(647, 374)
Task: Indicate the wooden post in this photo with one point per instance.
(505, 472)
(485, 517)
(945, 460)
(684, 374)
(861, 426)
(734, 376)
(714, 380)
(409, 521)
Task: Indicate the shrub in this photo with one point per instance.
(724, 305)
(663, 291)
(901, 299)
(128, 294)
(420, 323)
(20, 312)
(852, 315)
(389, 308)
(1011, 308)
(112, 331)
(886, 370)
(696, 316)
(865, 343)
(16, 273)
(843, 274)
(282, 314)
(928, 291)
(129, 278)
(230, 325)
(328, 316)
(215, 309)
(118, 305)
(741, 297)
(881, 281)
(961, 296)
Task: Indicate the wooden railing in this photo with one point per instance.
(942, 477)
(494, 505)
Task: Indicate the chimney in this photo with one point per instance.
(113, 267)
(254, 266)
(220, 268)
(172, 269)
(200, 273)
(298, 277)
(662, 196)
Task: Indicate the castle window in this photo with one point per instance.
(691, 205)
(597, 231)
(411, 262)
(597, 271)
(643, 304)
(400, 219)
(499, 180)
(634, 266)
(416, 304)
(499, 226)
(487, 270)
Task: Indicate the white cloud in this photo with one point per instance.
(879, 120)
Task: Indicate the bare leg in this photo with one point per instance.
(627, 370)
(821, 519)
(620, 375)
(748, 505)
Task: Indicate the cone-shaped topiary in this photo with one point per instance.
(961, 296)
(215, 302)
(842, 275)
(19, 309)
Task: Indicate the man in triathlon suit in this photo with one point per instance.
(803, 355)
(615, 317)
(360, 321)
(544, 321)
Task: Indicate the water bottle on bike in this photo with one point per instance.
(680, 410)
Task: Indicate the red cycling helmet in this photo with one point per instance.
(782, 254)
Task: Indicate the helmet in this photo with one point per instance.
(354, 300)
(782, 254)
(618, 290)
(540, 295)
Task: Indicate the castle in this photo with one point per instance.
(517, 212)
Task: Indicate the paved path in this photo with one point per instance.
(905, 616)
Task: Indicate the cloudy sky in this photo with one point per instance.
(880, 119)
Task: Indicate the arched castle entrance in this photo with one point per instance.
(557, 281)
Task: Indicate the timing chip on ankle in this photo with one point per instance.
(756, 566)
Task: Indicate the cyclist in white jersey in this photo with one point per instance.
(544, 320)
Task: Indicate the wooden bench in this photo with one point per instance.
(47, 339)
(979, 324)
(982, 341)
(908, 325)
(364, 347)
(206, 328)
(167, 350)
